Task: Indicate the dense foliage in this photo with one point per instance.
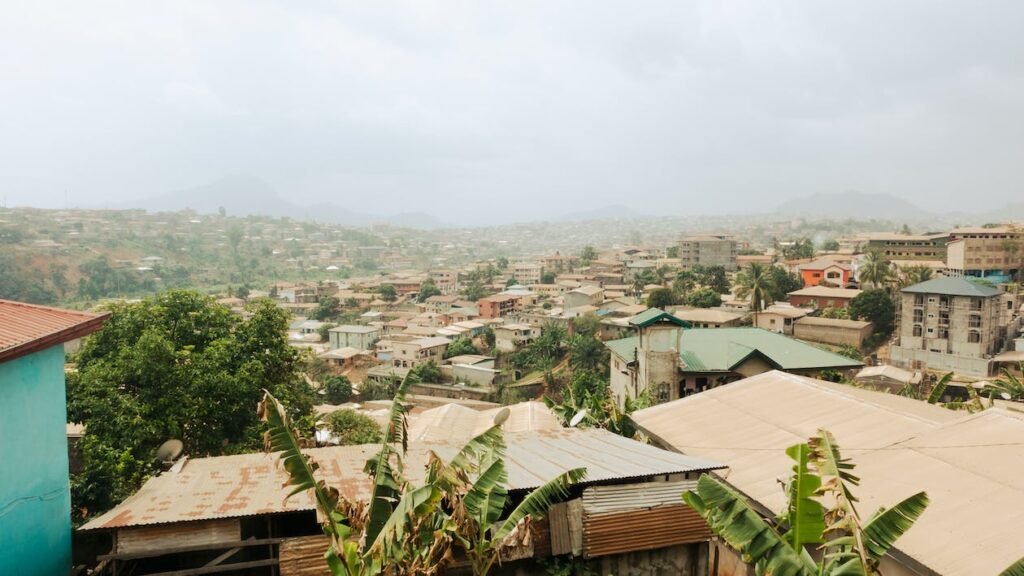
(179, 366)
(350, 427)
(875, 306)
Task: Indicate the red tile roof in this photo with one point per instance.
(27, 328)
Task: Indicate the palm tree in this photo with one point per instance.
(755, 283)
(874, 269)
(909, 275)
(821, 511)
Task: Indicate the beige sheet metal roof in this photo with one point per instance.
(253, 484)
(459, 423)
(972, 466)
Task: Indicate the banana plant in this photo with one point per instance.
(406, 529)
(475, 482)
(821, 510)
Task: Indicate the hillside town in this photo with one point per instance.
(648, 365)
(658, 288)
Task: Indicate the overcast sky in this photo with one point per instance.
(458, 108)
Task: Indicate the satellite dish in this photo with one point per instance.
(1006, 396)
(578, 418)
(169, 451)
(501, 416)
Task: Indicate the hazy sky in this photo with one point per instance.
(461, 108)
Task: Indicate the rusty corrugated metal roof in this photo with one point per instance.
(253, 484)
(27, 328)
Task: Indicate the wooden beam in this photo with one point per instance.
(227, 554)
(184, 549)
(217, 569)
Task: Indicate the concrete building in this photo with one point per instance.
(906, 246)
(353, 336)
(583, 296)
(833, 331)
(995, 253)
(671, 361)
(412, 353)
(514, 337)
(527, 272)
(708, 250)
(826, 272)
(780, 318)
(499, 306)
(447, 281)
(35, 502)
(823, 297)
(949, 324)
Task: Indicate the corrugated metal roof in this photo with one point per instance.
(953, 287)
(253, 484)
(971, 466)
(26, 327)
(721, 349)
(453, 422)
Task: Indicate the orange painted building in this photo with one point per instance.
(826, 273)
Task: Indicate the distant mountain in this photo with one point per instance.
(612, 212)
(859, 205)
(245, 195)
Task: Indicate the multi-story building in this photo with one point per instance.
(527, 272)
(447, 281)
(906, 246)
(708, 250)
(996, 253)
(353, 336)
(498, 306)
(412, 353)
(949, 324)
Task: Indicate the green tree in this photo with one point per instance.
(588, 255)
(474, 290)
(487, 337)
(178, 365)
(820, 513)
(460, 347)
(547, 278)
(588, 324)
(754, 282)
(428, 289)
(502, 263)
(875, 306)
(802, 248)
(327, 308)
(672, 252)
(387, 293)
(351, 428)
(337, 389)
(704, 298)
(874, 269)
(910, 275)
(548, 348)
(427, 372)
(661, 298)
(588, 354)
(830, 245)
(684, 283)
(713, 277)
(781, 283)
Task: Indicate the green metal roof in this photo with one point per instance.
(953, 287)
(654, 315)
(624, 347)
(723, 349)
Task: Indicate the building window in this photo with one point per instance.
(974, 322)
(917, 330)
(974, 337)
(918, 316)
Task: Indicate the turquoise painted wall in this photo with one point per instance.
(35, 504)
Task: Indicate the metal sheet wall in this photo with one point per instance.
(646, 529)
(303, 556)
(166, 536)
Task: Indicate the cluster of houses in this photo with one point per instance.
(230, 514)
